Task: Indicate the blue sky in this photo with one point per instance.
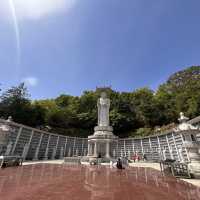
(68, 46)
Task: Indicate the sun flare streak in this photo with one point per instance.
(16, 28)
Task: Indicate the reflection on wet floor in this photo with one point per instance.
(61, 182)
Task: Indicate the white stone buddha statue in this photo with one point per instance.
(103, 105)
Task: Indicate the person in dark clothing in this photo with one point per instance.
(144, 157)
(134, 157)
(119, 164)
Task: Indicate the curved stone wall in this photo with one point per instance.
(34, 144)
(168, 145)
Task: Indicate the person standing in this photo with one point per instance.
(134, 157)
(119, 164)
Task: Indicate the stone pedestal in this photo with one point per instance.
(99, 144)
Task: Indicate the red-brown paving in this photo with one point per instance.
(63, 182)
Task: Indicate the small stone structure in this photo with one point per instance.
(5, 132)
(189, 134)
(99, 144)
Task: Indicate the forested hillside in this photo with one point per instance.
(132, 113)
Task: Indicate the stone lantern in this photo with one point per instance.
(191, 144)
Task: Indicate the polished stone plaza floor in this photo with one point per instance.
(63, 182)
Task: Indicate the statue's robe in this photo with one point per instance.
(103, 111)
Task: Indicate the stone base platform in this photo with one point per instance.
(72, 160)
(99, 145)
(94, 160)
(103, 132)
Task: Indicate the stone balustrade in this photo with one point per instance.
(36, 144)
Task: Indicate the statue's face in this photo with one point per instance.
(103, 95)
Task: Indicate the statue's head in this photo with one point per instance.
(103, 95)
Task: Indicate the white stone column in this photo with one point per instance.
(25, 152)
(168, 146)
(38, 148)
(185, 148)
(65, 147)
(88, 149)
(160, 150)
(181, 155)
(133, 146)
(151, 150)
(55, 149)
(82, 154)
(158, 142)
(16, 141)
(117, 154)
(170, 149)
(176, 147)
(69, 152)
(77, 152)
(61, 153)
(8, 149)
(124, 148)
(114, 153)
(95, 149)
(107, 149)
(164, 154)
(74, 147)
(121, 153)
(47, 150)
(129, 154)
(171, 153)
(142, 146)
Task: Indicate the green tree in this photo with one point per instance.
(141, 132)
(144, 105)
(15, 102)
(181, 93)
(131, 113)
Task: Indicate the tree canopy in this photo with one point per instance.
(135, 113)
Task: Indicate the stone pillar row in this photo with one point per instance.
(94, 152)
